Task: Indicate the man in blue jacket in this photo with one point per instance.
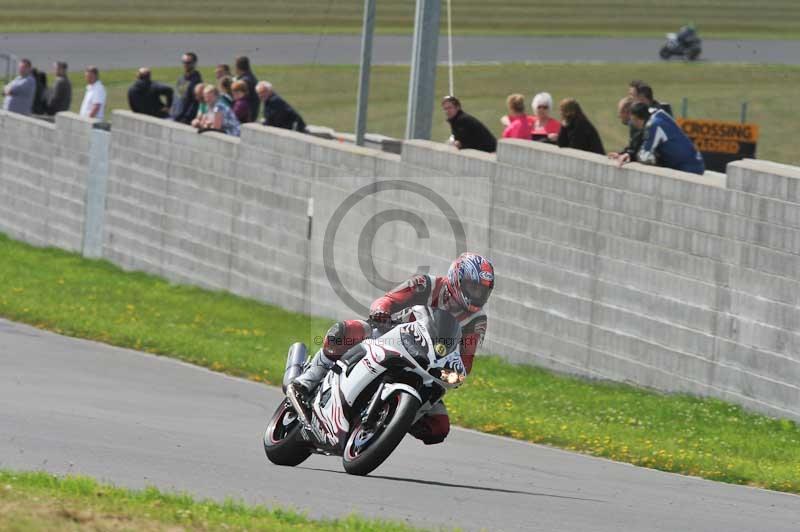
(664, 143)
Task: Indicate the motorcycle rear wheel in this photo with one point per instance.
(282, 443)
(366, 449)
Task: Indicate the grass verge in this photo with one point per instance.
(326, 95)
(41, 502)
(62, 292)
(727, 18)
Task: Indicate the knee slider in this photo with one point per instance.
(334, 342)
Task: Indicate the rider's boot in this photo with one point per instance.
(299, 390)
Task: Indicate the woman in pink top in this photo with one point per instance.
(544, 128)
(519, 125)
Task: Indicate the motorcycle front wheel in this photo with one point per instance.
(664, 52)
(282, 442)
(368, 447)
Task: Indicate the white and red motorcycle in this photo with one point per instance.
(365, 405)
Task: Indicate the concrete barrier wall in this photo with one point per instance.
(644, 275)
(43, 179)
(653, 277)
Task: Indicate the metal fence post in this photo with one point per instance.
(366, 63)
(685, 107)
(422, 83)
(743, 117)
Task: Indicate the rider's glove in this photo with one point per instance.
(380, 317)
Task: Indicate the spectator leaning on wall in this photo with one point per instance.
(468, 132)
(545, 128)
(518, 125)
(184, 104)
(642, 92)
(576, 130)
(225, 88)
(221, 71)
(19, 93)
(244, 73)
(277, 112)
(60, 95)
(94, 99)
(664, 143)
(220, 116)
(628, 153)
(149, 97)
(202, 106)
(241, 105)
(40, 96)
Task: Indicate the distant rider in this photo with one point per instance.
(463, 292)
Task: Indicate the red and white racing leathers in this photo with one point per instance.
(419, 290)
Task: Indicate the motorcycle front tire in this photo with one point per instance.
(395, 427)
(664, 52)
(282, 443)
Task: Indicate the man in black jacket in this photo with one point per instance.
(40, 96)
(469, 133)
(60, 96)
(145, 96)
(277, 112)
(184, 106)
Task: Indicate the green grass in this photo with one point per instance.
(34, 502)
(59, 291)
(326, 95)
(719, 18)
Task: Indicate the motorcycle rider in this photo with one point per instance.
(462, 292)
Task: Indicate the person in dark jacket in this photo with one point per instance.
(576, 130)
(469, 133)
(635, 134)
(244, 73)
(148, 97)
(40, 96)
(184, 104)
(277, 112)
(60, 95)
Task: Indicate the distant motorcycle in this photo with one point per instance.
(372, 396)
(686, 43)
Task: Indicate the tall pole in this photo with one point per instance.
(422, 83)
(366, 63)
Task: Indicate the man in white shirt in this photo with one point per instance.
(94, 99)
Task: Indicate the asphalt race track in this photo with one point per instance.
(73, 406)
(131, 50)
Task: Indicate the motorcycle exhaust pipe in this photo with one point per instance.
(295, 362)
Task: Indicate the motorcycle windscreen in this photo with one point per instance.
(445, 332)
